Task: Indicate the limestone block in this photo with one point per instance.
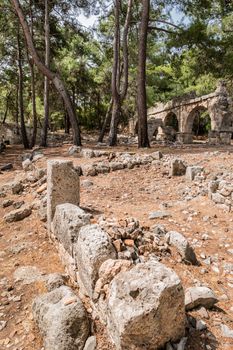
(177, 240)
(177, 167)
(67, 221)
(62, 319)
(218, 198)
(18, 214)
(145, 307)
(62, 186)
(91, 250)
(87, 153)
(192, 172)
(199, 296)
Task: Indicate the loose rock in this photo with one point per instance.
(199, 296)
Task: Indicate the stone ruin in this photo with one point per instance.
(133, 309)
(173, 121)
(140, 301)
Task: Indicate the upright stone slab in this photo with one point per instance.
(62, 186)
(145, 307)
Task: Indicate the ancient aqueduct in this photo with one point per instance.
(184, 110)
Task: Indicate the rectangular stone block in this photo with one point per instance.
(62, 186)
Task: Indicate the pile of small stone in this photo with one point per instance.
(220, 191)
(134, 242)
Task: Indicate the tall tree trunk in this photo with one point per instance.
(21, 106)
(7, 107)
(115, 78)
(34, 113)
(143, 140)
(107, 120)
(125, 50)
(46, 80)
(54, 77)
(118, 96)
(17, 108)
(31, 65)
(67, 123)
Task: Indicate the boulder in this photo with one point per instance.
(192, 172)
(89, 170)
(7, 203)
(177, 240)
(199, 296)
(62, 319)
(91, 250)
(18, 214)
(17, 187)
(87, 153)
(114, 166)
(145, 307)
(67, 222)
(74, 150)
(177, 167)
(156, 155)
(102, 168)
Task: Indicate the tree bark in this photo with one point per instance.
(118, 96)
(21, 106)
(115, 78)
(46, 80)
(67, 123)
(106, 122)
(54, 77)
(17, 108)
(31, 65)
(7, 107)
(143, 140)
(125, 50)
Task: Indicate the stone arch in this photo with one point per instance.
(195, 112)
(172, 121)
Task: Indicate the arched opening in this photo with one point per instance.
(170, 127)
(172, 121)
(199, 123)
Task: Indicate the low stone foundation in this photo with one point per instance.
(126, 296)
